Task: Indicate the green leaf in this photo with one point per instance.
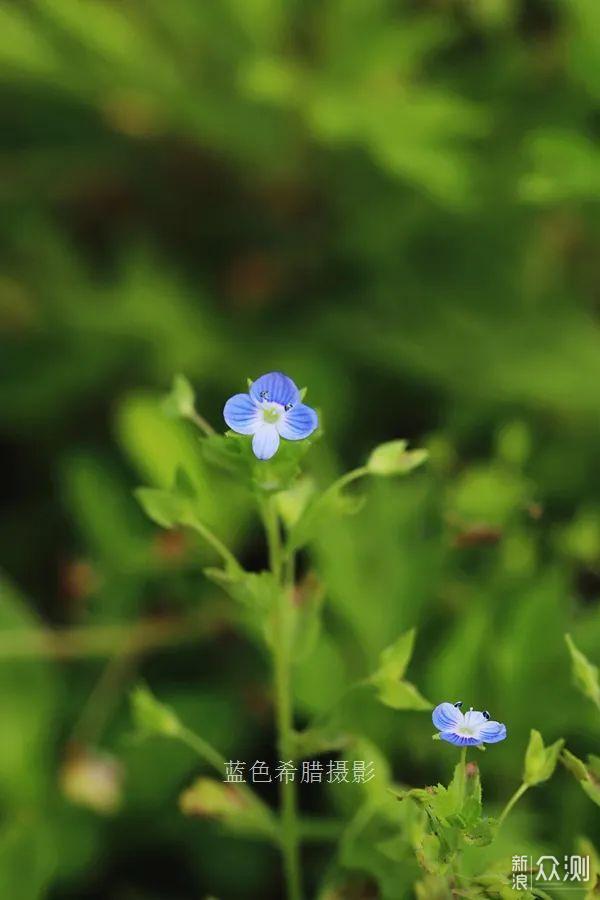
(181, 400)
(585, 674)
(388, 679)
(292, 503)
(164, 507)
(402, 695)
(321, 510)
(255, 590)
(394, 660)
(150, 716)
(392, 458)
(587, 775)
(230, 452)
(540, 761)
(309, 597)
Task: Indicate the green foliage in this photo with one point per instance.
(152, 717)
(235, 809)
(540, 761)
(392, 458)
(181, 401)
(588, 775)
(392, 689)
(585, 674)
(397, 203)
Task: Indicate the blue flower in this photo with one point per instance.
(466, 729)
(271, 409)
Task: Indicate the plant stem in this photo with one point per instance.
(349, 477)
(463, 766)
(283, 696)
(515, 797)
(218, 762)
(202, 748)
(198, 420)
(216, 543)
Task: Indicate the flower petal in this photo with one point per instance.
(242, 414)
(474, 719)
(277, 387)
(459, 739)
(298, 422)
(492, 732)
(446, 716)
(265, 441)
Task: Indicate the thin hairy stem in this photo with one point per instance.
(514, 799)
(283, 697)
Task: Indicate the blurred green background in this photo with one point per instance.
(395, 202)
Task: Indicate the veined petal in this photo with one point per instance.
(242, 414)
(459, 739)
(265, 441)
(474, 718)
(492, 732)
(446, 716)
(276, 387)
(298, 422)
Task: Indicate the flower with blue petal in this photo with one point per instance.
(466, 729)
(272, 409)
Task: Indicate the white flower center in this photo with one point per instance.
(465, 731)
(271, 413)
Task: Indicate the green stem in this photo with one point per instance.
(514, 799)
(346, 479)
(216, 543)
(463, 767)
(204, 750)
(218, 762)
(283, 696)
(201, 422)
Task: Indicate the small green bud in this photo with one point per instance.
(151, 716)
(585, 674)
(392, 458)
(181, 400)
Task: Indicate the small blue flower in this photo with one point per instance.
(271, 409)
(466, 729)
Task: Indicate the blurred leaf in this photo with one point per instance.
(540, 761)
(392, 458)
(29, 691)
(150, 716)
(392, 690)
(308, 602)
(93, 779)
(585, 674)
(236, 809)
(181, 400)
(587, 775)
